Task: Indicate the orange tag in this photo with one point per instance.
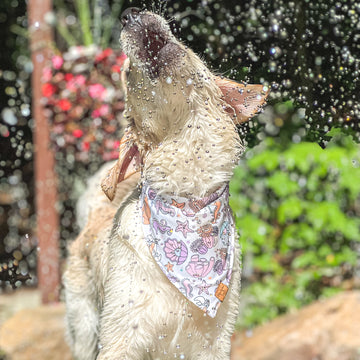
(221, 291)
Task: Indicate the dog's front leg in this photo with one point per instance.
(81, 314)
(122, 331)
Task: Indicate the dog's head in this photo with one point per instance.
(163, 77)
(150, 45)
(168, 89)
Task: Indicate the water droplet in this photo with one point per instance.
(8, 116)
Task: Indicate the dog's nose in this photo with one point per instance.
(130, 15)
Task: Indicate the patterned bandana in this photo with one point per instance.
(192, 241)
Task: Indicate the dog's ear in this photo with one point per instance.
(245, 100)
(128, 164)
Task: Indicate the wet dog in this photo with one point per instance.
(155, 273)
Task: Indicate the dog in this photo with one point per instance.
(155, 272)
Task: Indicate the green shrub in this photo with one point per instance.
(297, 210)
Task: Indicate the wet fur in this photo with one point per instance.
(119, 303)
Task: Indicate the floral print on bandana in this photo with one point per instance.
(192, 241)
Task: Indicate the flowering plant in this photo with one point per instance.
(84, 100)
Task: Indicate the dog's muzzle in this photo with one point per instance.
(130, 16)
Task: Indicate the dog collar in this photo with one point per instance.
(192, 241)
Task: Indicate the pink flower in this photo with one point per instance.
(111, 155)
(121, 58)
(64, 104)
(103, 110)
(57, 62)
(112, 145)
(48, 89)
(68, 76)
(104, 54)
(80, 80)
(78, 133)
(47, 74)
(85, 146)
(116, 68)
(97, 91)
(116, 144)
(75, 82)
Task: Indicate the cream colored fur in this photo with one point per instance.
(119, 303)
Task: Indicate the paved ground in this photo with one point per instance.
(24, 299)
(12, 302)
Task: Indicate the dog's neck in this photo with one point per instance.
(193, 159)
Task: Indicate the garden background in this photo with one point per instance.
(296, 192)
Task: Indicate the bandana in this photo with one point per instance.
(192, 241)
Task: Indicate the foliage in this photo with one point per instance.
(85, 23)
(297, 210)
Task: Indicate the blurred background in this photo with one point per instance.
(296, 192)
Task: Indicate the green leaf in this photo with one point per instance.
(350, 180)
(333, 132)
(306, 259)
(345, 256)
(308, 234)
(304, 278)
(290, 209)
(253, 228)
(83, 12)
(109, 22)
(268, 160)
(266, 263)
(330, 292)
(282, 185)
(302, 156)
(297, 236)
(329, 216)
